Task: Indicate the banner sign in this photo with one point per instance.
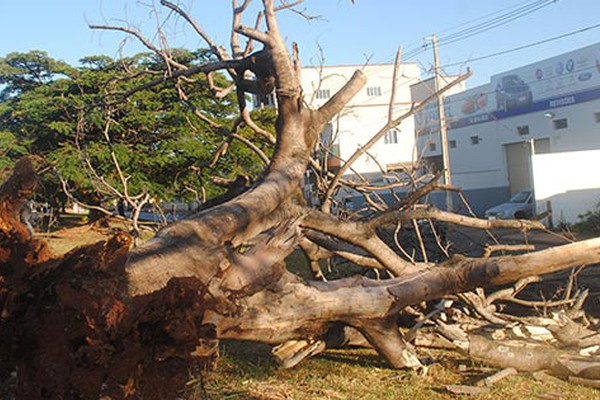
(560, 81)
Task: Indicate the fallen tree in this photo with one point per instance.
(105, 320)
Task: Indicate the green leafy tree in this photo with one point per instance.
(158, 141)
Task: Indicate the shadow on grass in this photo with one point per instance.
(249, 358)
(359, 357)
(256, 357)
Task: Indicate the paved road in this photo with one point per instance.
(471, 241)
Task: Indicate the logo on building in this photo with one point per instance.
(539, 74)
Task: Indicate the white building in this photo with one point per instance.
(535, 127)
(367, 113)
(364, 117)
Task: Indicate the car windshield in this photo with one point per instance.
(511, 80)
(520, 197)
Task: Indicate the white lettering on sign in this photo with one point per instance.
(563, 101)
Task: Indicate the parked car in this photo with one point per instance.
(149, 216)
(152, 215)
(520, 206)
(512, 92)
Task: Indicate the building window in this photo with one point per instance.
(323, 94)
(475, 140)
(391, 137)
(560, 123)
(597, 117)
(264, 101)
(374, 91)
(432, 147)
(452, 144)
(523, 130)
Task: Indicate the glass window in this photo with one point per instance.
(523, 130)
(323, 94)
(374, 91)
(560, 123)
(520, 197)
(391, 137)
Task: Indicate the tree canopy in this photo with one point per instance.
(78, 121)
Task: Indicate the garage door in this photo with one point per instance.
(518, 160)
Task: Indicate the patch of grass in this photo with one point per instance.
(63, 241)
(589, 222)
(297, 264)
(246, 371)
(75, 233)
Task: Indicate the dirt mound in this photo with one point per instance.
(70, 329)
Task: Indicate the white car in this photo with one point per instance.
(520, 206)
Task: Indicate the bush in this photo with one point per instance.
(589, 222)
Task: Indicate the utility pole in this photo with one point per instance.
(442, 114)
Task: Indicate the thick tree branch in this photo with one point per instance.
(302, 307)
(337, 102)
(253, 33)
(238, 11)
(247, 215)
(360, 235)
(328, 246)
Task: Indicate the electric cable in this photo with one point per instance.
(526, 46)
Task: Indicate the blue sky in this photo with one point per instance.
(346, 33)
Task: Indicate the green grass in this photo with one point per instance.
(246, 371)
(75, 233)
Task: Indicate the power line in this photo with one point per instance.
(522, 9)
(514, 13)
(486, 16)
(496, 22)
(564, 35)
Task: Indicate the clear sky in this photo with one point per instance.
(347, 33)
